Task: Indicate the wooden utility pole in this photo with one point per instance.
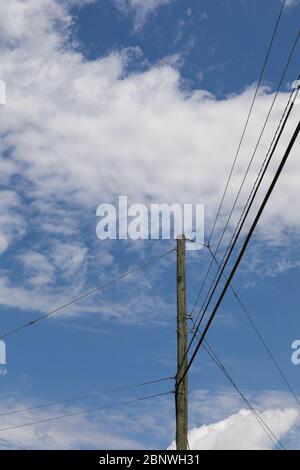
(181, 395)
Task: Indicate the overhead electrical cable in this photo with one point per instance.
(250, 202)
(249, 166)
(87, 411)
(5, 441)
(243, 249)
(85, 396)
(246, 211)
(86, 294)
(266, 428)
(248, 119)
(262, 340)
(256, 330)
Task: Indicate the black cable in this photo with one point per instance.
(248, 168)
(247, 120)
(268, 159)
(81, 397)
(274, 439)
(91, 410)
(5, 441)
(244, 247)
(245, 207)
(232, 244)
(260, 336)
(97, 289)
(257, 416)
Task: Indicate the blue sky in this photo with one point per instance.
(146, 99)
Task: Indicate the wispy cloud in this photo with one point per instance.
(241, 432)
(76, 133)
(140, 9)
(227, 424)
(292, 3)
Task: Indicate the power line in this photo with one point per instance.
(25, 430)
(274, 439)
(89, 395)
(278, 131)
(91, 410)
(5, 441)
(245, 244)
(83, 296)
(260, 336)
(248, 168)
(259, 140)
(258, 333)
(263, 167)
(247, 120)
(249, 204)
(213, 355)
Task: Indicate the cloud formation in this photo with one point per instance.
(76, 133)
(95, 118)
(149, 427)
(229, 426)
(140, 9)
(241, 431)
(292, 3)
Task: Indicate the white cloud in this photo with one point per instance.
(150, 424)
(3, 243)
(12, 223)
(38, 268)
(58, 275)
(78, 133)
(15, 17)
(95, 120)
(291, 3)
(69, 258)
(242, 432)
(78, 432)
(230, 426)
(134, 426)
(140, 8)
